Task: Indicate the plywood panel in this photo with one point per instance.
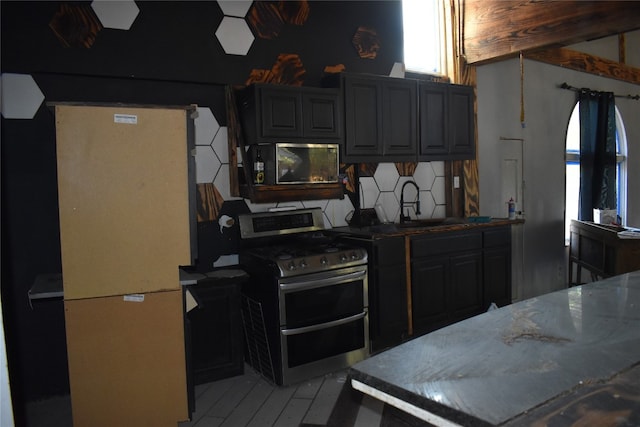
(495, 29)
(127, 361)
(124, 201)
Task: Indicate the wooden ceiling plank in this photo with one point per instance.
(496, 29)
(591, 64)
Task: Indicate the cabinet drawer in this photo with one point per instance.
(390, 251)
(497, 237)
(436, 245)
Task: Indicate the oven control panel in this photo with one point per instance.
(321, 262)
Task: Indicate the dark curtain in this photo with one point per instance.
(597, 152)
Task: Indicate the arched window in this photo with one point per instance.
(572, 158)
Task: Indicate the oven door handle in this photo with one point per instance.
(310, 284)
(305, 329)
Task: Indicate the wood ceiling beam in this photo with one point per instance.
(591, 64)
(498, 29)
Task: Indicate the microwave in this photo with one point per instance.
(299, 163)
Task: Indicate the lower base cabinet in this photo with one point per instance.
(445, 289)
(215, 326)
(457, 275)
(454, 275)
(388, 324)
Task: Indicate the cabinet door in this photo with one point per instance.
(391, 315)
(466, 285)
(322, 115)
(281, 110)
(362, 114)
(461, 122)
(388, 322)
(429, 283)
(497, 276)
(433, 121)
(399, 119)
(216, 331)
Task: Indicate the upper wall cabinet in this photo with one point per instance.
(406, 120)
(269, 114)
(381, 118)
(447, 130)
(278, 113)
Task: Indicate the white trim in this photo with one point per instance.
(622, 160)
(403, 406)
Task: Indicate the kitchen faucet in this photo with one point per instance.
(407, 217)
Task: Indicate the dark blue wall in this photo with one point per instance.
(169, 56)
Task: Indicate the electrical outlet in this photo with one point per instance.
(456, 182)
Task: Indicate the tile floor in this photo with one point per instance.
(250, 401)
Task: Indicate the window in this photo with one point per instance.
(422, 36)
(572, 189)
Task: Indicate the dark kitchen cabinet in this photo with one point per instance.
(429, 297)
(269, 114)
(496, 266)
(454, 274)
(406, 120)
(279, 113)
(447, 125)
(381, 116)
(388, 324)
(215, 326)
(446, 279)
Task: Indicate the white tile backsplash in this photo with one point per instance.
(212, 165)
(207, 164)
(386, 176)
(206, 126)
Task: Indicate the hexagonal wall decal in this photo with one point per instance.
(235, 36)
(424, 176)
(338, 211)
(220, 144)
(369, 192)
(207, 164)
(21, 96)
(438, 190)
(386, 176)
(206, 126)
(76, 25)
(237, 8)
(116, 14)
(366, 42)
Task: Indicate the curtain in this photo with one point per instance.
(597, 152)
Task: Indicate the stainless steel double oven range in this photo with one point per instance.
(305, 305)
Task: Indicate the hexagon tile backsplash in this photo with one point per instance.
(383, 188)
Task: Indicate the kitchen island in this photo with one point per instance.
(567, 356)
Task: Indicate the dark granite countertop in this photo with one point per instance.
(434, 225)
(536, 359)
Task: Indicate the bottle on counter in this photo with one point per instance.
(258, 168)
(512, 209)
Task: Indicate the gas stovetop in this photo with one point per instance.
(293, 241)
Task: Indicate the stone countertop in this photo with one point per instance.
(517, 362)
(430, 226)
